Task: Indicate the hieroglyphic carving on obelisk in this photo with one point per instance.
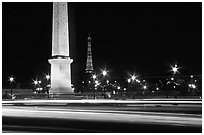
(60, 62)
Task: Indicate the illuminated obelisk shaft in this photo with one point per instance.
(60, 62)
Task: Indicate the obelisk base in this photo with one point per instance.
(61, 77)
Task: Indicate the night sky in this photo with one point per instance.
(144, 38)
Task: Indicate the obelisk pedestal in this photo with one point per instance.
(60, 76)
(60, 62)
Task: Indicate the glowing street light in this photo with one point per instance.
(47, 77)
(35, 82)
(11, 79)
(104, 72)
(133, 77)
(94, 76)
(175, 69)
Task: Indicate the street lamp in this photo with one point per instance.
(11, 80)
(144, 87)
(47, 77)
(133, 77)
(175, 69)
(104, 72)
(35, 82)
(94, 76)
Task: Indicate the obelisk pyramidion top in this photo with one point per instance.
(60, 35)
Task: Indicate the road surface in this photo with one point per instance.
(102, 116)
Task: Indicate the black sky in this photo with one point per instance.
(126, 37)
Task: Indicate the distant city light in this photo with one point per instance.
(96, 82)
(138, 81)
(129, 80)
(195, 80)
(144, 87)
(168, 82)
(118, 87)
(193, 86)
(39, 89)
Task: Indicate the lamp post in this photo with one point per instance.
(174, 69)
(11, 80)
(47, 85)
(35, 82)
(94, 76)
(104, 73)
(47, 77)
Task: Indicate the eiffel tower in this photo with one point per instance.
(89, 63)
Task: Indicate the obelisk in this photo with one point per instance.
(60, 62)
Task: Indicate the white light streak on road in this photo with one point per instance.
(101, 101)
(117, 116)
